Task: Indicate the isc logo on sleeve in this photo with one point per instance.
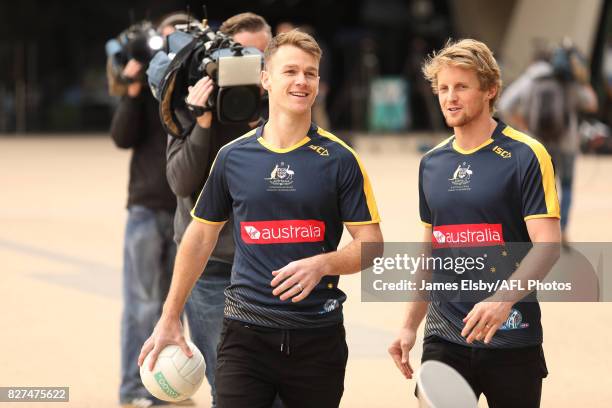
(503, 153)
(282, 231)
(321, 150)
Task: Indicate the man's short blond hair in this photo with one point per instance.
(469, 54)
(250, 22)
(297, 38)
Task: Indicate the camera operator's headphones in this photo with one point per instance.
(177, 120)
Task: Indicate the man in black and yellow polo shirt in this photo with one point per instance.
(485, 186)
(291, 188)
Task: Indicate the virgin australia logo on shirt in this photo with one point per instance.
(282, 231)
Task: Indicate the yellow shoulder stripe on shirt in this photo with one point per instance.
(441, 144)
(546, 169)
(246, 135)
(367, 187)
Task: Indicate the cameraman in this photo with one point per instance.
(547, 100)
(149, 249)
(188, 165)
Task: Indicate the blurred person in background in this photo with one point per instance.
(284, 27)
(189, 163)
(149, 249)
(546, 101)
(607, 79)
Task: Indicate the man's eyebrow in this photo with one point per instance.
(455, 83)
(310, 68)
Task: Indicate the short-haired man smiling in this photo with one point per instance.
(291, 186)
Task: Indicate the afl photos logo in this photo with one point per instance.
(460, 179)
(281, 178)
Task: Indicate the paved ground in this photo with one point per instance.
(61, 224)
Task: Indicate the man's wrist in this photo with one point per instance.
(171, 312)
(410, 324)
(205, 120)
(506, 296)
(134, 89)
(325, 261)
(415, 314)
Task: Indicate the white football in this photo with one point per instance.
(175, 376)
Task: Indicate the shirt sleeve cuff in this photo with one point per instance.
(376, 221)
(535, 216)
(204, 221)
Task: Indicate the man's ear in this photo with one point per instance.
(265, 80)
(492, 92)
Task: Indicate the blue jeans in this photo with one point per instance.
(564, 168)
(204, 310)
(149, 252)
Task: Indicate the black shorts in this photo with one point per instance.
(507, 377)
(304, 367)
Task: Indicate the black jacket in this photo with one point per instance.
(136, 125)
